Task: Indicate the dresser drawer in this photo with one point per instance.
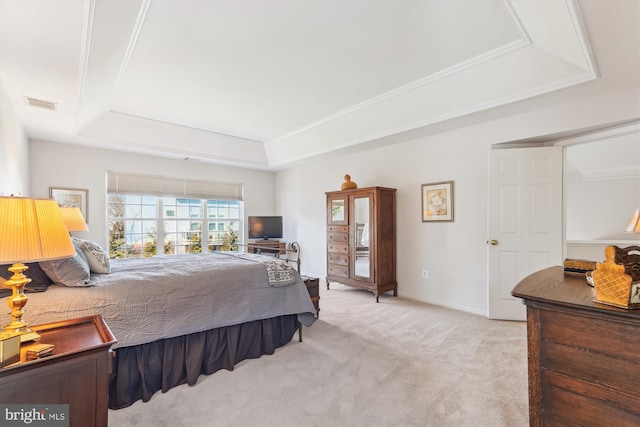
(339, 259)
(338, 228)
(564, 407)
(338, 247)
(591, 334)
(337, 237)
(595, 370)
(338, 270)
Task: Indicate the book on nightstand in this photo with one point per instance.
(38, 351)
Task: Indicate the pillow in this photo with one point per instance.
(5, 291)
(72, 271)
(39, 280)
(97, 257)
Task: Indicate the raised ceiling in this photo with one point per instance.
(266, 84)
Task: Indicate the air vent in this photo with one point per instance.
(39, 103)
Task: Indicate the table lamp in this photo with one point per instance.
(634, 225)
(31, 230)
(73, 219)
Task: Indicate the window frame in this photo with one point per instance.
(210, 239)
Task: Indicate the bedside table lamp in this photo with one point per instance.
(31, 230)
(73, 219)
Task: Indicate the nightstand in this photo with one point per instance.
(313, 286)
(76, 374)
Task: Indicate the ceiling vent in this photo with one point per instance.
(39, 103)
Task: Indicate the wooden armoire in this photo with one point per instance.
(361, 239)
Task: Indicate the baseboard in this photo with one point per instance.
(467, 309)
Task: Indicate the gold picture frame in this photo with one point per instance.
(437, 202)
(72, 197)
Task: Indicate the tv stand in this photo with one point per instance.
(268, 247)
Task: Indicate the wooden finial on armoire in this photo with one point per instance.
(348, 184)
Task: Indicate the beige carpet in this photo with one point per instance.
(396, 363)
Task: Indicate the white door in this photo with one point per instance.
(525, 222)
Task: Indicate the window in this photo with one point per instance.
(140, 224)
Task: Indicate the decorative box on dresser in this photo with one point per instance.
(361, 239)
(77, 374)
(584, 357)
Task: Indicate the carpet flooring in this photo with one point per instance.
(395, 363)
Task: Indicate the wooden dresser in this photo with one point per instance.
(361, 239)
(584, 357)
(77, 374)
(269, 247)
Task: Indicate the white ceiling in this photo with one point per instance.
(268, 83)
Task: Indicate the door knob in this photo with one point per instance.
(493, 242)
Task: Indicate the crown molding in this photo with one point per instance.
(598, 135)
(85, 48)
(622, 172)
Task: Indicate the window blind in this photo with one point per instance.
(152, 185)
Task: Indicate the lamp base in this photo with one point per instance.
(17, 302)
(29, 336)
(23, 332)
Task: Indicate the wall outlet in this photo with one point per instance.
(425, 274)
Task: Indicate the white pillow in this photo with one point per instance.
(72, 271)
(97, 257)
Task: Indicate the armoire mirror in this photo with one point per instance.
(337, 210)
(601, 191)
(361, 262)
(602, 187)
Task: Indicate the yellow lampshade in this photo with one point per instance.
(73, 219)
(32, 230)
(634, 225)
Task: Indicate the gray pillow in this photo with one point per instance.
(97, 257)
(72, 271)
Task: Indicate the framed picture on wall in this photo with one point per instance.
(437, 201)
(72, 197)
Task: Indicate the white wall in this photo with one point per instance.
(455, 253)
(14, 150)
(441, 248)
(72, 166)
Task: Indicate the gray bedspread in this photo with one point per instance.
(144, 300)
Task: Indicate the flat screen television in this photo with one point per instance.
(265, 227)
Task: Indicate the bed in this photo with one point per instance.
(181, 316)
